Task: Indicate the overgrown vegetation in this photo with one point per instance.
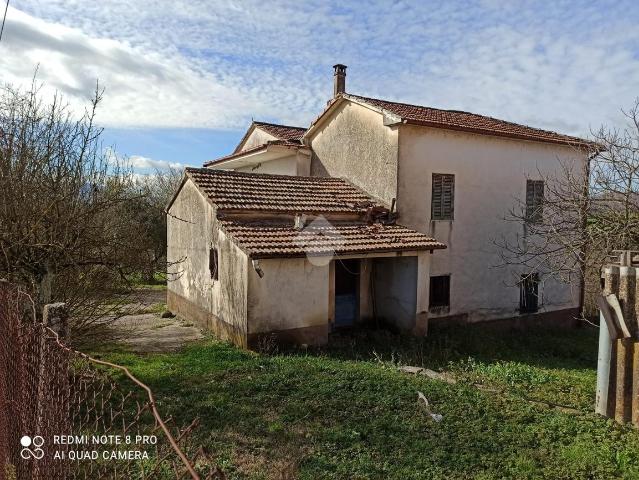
(346, 412)
(75, 224)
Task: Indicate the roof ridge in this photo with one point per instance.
(532, 133)
(290, 178)
(259, 122)
(452, 110)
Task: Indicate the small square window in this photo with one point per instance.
(213, 264)
(439, 292)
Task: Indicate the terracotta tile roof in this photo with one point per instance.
(257, 148)
(230, 190)
(281, 239)
(471, 122)
(282, 132)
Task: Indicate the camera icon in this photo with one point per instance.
(31, 447)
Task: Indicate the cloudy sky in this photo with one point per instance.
(184, 79)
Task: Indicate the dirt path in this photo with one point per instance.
(148, 332)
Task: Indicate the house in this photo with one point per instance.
(261, 255)
(450, 175)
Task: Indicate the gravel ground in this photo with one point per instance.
(148, 332)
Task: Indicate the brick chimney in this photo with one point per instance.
(339, 79)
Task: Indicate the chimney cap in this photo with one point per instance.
(339, 67)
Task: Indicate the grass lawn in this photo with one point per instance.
(346, 412)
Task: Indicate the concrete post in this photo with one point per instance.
(56, 317)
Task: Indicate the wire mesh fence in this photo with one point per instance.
(63, 416)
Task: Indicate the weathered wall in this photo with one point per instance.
(354, 143)
(280, 166)
(256, 138)
(291, 299)
(191, 231)
(396, 290)
(490, 173)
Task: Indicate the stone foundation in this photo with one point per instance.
(188, 310)
(561, 319)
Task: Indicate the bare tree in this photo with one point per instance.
(61, 232)
(587, 211)
(153, 193)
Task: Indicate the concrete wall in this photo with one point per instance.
(290, 300)
(396, 290)
(279, 166)
(490, 174)
(256, 138)
(219, 305)
(354, 143)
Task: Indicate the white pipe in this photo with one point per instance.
(603, 367)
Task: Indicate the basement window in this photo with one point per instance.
(439, 297)
(443, 197)
(213, 263)
(529, 293)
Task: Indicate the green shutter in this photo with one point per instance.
(443, 197)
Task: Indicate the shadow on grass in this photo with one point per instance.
(547, 348)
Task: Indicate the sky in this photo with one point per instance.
(183, 79)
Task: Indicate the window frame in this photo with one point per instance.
(445, 303)
(438, 208)
(525, 293)
(534, 213)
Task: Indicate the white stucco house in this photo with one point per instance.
(446, 177)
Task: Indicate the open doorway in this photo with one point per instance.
(346, 292)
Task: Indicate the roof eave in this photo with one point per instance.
(265, 256)
(577, 143)
(261, 149)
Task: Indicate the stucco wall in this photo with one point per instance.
(279, 166)
(256, 138)
(191, 232)
(354, 143)
(490, 174)
(292, 294)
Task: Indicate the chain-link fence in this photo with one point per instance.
(63, 416)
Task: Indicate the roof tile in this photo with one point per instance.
(459, 120)
(230, 190)
(281, 239)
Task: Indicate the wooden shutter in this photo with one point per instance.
(534, 200)
(443, 197)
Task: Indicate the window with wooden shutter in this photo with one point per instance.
(534, 201)
(443, 198)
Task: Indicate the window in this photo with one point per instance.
(443, 199)
(529, 293)
(439, 292)
(534, 200)
(213, 263)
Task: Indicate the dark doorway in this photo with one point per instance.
(346, 292)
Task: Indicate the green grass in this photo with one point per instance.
(346, 412)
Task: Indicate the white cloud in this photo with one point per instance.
(195, 63)
(140, 162)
